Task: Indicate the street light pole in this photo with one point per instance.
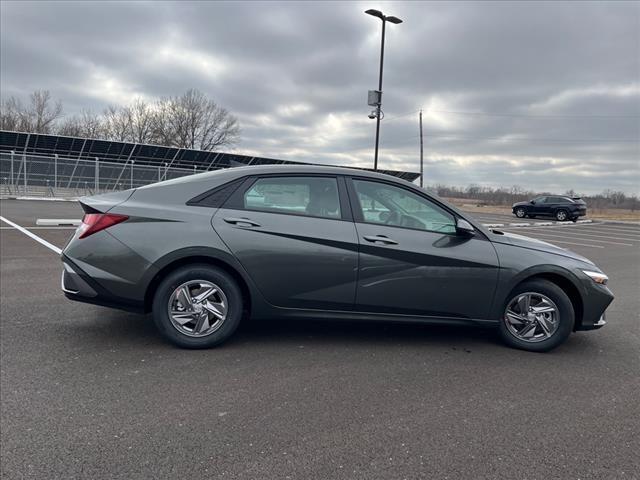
(378, 111)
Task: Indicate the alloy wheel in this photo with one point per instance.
(520, 213)
(197, 308)
(561, 215)
(532, 317)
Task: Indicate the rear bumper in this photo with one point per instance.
(80, 287)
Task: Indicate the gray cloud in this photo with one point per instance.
(543, 95)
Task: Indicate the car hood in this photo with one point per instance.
(521, 204)
(534, 244)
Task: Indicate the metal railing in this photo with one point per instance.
(54, 176)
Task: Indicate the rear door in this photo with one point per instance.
(412, 261)
(552, 205)
(295, 237)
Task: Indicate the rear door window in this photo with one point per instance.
(310, 196)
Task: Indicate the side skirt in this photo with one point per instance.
(303, 314)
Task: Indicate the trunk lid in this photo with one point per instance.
(104, 202)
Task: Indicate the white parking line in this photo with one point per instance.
(605, 231)
(552, 238)
(576, 234)
(573, 243)
(32, 235)
(613, 228)
(40, 228)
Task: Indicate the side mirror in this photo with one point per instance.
(532, 202)
(464, 228)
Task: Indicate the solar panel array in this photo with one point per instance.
(142, 154)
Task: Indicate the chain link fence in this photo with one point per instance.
(54, 176)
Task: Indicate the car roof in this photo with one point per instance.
(302, 169)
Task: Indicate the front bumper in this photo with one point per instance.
(595, 302)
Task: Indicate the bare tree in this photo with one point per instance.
(142, 122)
(42, 112)
(194, 121)
(11, 114)
(39, 116)
(117, 123)
(188, 121)
(87, 124)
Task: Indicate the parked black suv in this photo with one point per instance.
(561, 208)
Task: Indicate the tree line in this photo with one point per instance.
(191, 120)
(507, 196)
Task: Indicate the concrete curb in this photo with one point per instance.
(47, 199)
(58, 222)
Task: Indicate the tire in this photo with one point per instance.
(562, 215)
(541, 340)
(520, 212)
(223, 308)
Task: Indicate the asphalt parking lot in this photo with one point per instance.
(88, 392)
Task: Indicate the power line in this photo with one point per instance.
(401, 116)
(523, 115)
(533, 115)
(455, 136)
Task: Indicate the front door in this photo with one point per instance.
(295, 239)
(411, 260)
(541, 207)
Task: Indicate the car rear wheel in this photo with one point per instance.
(197, 306)
(520, 213)
(561, 215)
(538, 316)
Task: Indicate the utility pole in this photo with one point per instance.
(421, 154)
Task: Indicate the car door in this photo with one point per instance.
(551, 205)
(540, 206)
(411, 259)
(295, 237)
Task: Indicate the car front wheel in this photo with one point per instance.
(538, 316)
(197, 306)
(520, 213)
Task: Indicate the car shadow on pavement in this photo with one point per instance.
(127, 328)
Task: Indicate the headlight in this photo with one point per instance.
(597, 277)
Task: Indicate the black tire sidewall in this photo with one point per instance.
(197, 272)
(565, 309)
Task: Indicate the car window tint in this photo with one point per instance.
(388, 205)
(313, 196)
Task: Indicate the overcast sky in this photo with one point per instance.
(541, 95)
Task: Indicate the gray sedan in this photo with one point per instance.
(203, 252)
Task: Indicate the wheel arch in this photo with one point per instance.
(217, 259)
(561, 280)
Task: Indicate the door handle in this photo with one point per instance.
(380, 238)
(245, 221)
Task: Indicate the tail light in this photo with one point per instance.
(94, 222)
